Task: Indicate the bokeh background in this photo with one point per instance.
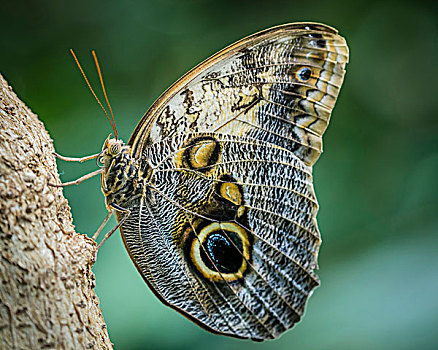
(377, 181)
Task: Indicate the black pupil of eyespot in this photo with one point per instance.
(222, 252)
(304, 74)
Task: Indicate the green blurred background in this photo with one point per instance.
(376, 181)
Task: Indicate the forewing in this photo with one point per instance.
(278, 86)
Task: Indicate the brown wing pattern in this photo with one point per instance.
(226, 230)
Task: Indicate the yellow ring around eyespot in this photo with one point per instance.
(195, 252)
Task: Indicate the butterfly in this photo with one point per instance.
(213, 193)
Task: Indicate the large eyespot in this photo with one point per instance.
(221, 251)
(303, 74)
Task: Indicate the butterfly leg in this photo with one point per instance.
(78, 181)
(102, 225)
(126, 213)
(72, 159)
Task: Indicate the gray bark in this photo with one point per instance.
(47, 298)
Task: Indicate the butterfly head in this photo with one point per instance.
(112, 149)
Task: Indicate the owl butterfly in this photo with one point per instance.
(213, 192)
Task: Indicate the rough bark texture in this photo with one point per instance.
(47, 298)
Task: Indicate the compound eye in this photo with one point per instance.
(114, 148)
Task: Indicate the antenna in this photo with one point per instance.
(113, 125)
(104, 92)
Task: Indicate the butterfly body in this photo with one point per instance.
(217, 180)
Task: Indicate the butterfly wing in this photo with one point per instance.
(279, 85)
(226, 231)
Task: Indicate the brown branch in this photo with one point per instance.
(47, 297)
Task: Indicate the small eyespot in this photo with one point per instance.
(303, 74)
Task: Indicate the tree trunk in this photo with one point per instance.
(47, 298)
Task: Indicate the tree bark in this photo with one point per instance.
(47, 298)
